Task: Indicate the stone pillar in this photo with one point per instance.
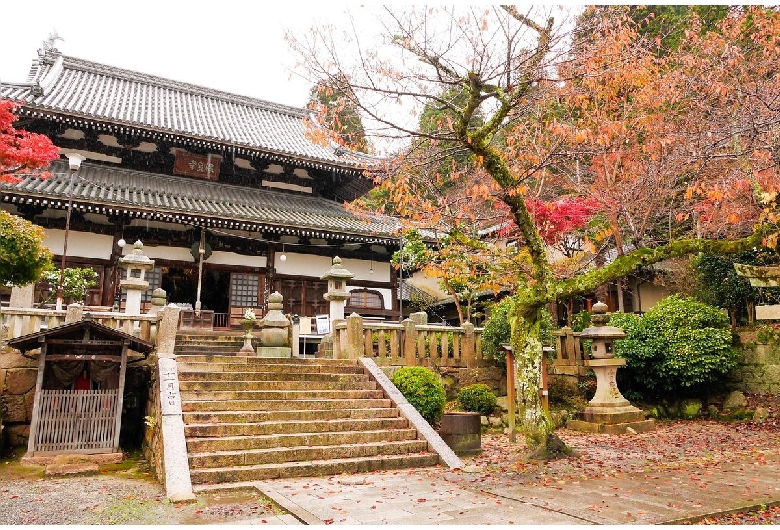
(420, 318)
(353, 349)
(166, 335)
(135, 263)
(337, 293)
(274, 334)
(75, 313)
(22, 296)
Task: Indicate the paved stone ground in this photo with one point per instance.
(682, 472)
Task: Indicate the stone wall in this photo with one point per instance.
(759, 369)
(17, 392)
(455, 378)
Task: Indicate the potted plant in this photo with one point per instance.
(462, 429)
(249, 321)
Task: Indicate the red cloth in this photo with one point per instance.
(82, 382)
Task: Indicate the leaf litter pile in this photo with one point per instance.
(694, 445)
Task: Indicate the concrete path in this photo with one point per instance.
(440, 496)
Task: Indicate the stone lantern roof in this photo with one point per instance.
(599, 328)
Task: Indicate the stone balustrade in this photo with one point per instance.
(410, 343)
(22, 321)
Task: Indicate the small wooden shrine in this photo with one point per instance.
(80, 387)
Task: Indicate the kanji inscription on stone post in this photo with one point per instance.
(170, 396)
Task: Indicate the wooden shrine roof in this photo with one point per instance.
(83, 332)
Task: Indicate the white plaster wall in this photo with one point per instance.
(81, 244)
(183, 254)
(231, 258)
(316, 266)
(302, 264)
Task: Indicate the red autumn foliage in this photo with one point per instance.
(21, 150)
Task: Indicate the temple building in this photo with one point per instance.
(192, 172)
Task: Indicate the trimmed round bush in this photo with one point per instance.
(477, 398)
(423, 389)
(680, 346)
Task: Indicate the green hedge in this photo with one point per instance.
(680, 346)
(423, 389)
(477, 398)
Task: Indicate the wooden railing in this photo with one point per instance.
(409, 343)
(22, 321)
(570, 357)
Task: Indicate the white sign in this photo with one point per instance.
(323, 324)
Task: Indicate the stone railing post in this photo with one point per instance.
(166, 334)
(75, 313)
(468, 347)
(410, 342)
(353, 349)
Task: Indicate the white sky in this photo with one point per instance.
(231, 45)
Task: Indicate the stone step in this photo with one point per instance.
(308, 469)
(283, 455)
(270, 376)
(229, 386)
(207, 349)
(204, 430)
(266, 360)
(245, 443)
(257, 416)
(209, 404)
(290, 395)
(238, 366)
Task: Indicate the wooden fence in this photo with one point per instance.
(82, 421)
(22, 321)
(410, 343)
(570, 357)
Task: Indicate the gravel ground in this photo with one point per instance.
(126, 495)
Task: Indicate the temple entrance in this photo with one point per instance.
(181, 285)
(215, 291)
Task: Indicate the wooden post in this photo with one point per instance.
(120, 396)
(36, 414)
(510, 390)
(543, 393)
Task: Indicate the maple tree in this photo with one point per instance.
(659, 144)
(22, 254)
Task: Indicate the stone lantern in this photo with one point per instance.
(608, 412)
(135, 282)
(337, 293)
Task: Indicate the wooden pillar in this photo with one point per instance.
(121, 395)
(510, 391)
(36, 414)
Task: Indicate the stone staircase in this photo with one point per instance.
(227, 343)
(250, 418)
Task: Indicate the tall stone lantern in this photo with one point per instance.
(608, 412)
(337, 293)
(135, 282)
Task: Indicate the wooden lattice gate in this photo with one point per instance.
(81, 421)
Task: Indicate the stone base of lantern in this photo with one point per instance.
(609, 412)
(275, 352)
(610, 428)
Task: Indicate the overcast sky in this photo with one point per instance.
(231, 45)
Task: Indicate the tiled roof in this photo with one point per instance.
(96, 93)
(105, 189)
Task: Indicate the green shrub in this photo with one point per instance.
(423, 389)
(680, 346)
(477, 398)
